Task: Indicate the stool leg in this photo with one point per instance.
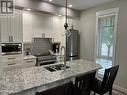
(94, 93)
(37, 93)
(110, 92)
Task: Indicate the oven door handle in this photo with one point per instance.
(11, 58)
(11, 63)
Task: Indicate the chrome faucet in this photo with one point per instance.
(63, 47)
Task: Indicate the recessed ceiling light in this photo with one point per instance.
(50, 0)
(28, 9)
(59, 15)
(70, 5)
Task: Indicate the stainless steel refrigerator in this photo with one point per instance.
(73, 45)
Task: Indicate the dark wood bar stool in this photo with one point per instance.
(65, 89)
(83, 84)
(104, 86)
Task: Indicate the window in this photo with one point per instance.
(106, 38)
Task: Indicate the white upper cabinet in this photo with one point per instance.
(58, 29)
(74, 23)
(4, 26)
(17, 26)
(41, 24)
(48, 26)
(35, 24)
(27, 27)
(11, 27)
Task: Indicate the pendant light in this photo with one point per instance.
(68, 33)
(66, 24)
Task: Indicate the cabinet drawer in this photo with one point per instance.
(11, 57)
(28, 65)
(30, 61)
(10, 63)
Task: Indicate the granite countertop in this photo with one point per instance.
(22, 79)
(29, 57)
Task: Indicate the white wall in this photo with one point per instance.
(88, 29)
(34, 24)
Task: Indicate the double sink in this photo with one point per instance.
(57, 67)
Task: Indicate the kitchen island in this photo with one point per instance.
(30, 80)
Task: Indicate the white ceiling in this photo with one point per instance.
(81, 4)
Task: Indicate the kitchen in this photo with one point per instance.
(28, 64)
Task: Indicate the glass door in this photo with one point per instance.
(105, 40)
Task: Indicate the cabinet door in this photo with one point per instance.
(16, 27)
(74, 22)
(37, 25)
(47, 26)
(27, 27)
(57, 28)
(5, 28)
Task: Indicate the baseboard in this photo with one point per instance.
(121, 89)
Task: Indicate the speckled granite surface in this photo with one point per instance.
(23, 79)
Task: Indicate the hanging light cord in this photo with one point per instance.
(66, 11)
(68, 33)
(66, 25)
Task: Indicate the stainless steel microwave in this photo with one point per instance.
(11, 48)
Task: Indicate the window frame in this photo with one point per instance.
(105, 13)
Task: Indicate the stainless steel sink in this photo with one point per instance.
(58, 67)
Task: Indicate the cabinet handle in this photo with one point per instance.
(9, 39)
(30, 61)
(11, 63)
(11, 58)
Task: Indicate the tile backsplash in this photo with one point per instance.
(26, 46)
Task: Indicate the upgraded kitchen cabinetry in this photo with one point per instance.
(17, 61)
(35, 25)
(10, 60)
(5, 26)
(30, 61)
(11, 27)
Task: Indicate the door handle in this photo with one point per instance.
(11, 38)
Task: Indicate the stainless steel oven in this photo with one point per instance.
(11, 48)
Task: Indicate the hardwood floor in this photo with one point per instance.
(114, 93)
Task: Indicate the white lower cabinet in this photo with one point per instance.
(30, 61)
(13, 62)
(11, 57)
(9, 62)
